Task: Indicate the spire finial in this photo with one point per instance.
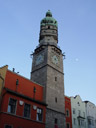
(48, 13)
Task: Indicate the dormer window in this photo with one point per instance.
(48, 27)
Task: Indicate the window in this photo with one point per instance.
(74, 111)
(56, 120)
(27, 110)
(55, 78)
(78, 103)
(67, 125)
(48, 27)
(39, 114)
(92, 122)
(74, 120)
(89, 121)
(56, 123)
(56, 99)
(79, 112)
(82, 122)
(79, 122)
(8, 126)
(67, 113)
(12, 106)
(83, 114)
(95, 121)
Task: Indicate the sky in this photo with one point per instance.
(19, 35)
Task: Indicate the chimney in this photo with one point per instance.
(13, 69)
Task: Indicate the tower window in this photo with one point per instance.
(48, 27)
(51, 21)
(55, 78)
(56, 99)
(56, 120)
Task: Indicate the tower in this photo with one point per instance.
(47, 70)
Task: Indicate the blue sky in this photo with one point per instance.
(19, 34)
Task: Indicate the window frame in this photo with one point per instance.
(55, 99)
(15, 105)
(79, 112)
(37, 114)
(74, 111)
(68, 124)
(67, 115)
(84, 114)
(29, 112)
(55, 78)
(8, 125)
(56, 121)
(82, 123)
(74, 121)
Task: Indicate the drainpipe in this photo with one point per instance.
(2, 85)
(34, 90)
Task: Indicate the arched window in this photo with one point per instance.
(48, 27)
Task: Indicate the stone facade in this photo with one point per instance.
(51, 115)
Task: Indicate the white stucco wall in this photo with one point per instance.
(91, 114)
(79, 106)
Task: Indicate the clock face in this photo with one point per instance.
(39, 59)
(55, 59)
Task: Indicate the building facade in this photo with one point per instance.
(47, 70)
(90, 114)
(68, 112)
(21, 102)
(78, 112)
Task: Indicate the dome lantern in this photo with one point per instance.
(48, 14)
(49, 20)
(48, 30)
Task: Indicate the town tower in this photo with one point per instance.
(47, 70)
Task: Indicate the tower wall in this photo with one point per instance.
(47, 70)
(51, 115)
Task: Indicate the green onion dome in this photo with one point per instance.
(49, 20)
